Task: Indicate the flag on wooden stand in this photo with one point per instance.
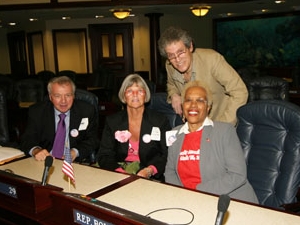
(67, 167)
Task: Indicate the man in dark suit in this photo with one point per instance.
(81, 129)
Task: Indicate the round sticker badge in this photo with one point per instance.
(146, 138)
(74, 133)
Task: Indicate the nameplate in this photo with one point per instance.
(86, 219)
(9, 190)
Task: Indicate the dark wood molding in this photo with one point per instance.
(155, 58)
(56, 4)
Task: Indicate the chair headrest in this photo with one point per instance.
(269, 113)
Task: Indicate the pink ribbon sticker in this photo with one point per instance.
(122, 136)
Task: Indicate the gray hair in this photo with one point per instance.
(173, 34)
(129, 81)
(61, 80)
(197, 83)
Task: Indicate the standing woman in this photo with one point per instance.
(133, 140)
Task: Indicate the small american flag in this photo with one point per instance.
(67, 167)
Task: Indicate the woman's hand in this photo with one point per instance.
(146, 172)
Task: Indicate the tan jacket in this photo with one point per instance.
(228, 89)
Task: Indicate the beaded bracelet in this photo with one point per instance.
(149, 173)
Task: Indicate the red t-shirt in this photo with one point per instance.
(189, 160)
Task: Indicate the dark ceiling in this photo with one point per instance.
(55, 4)
(219, 8)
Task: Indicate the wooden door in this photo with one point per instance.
(111, 46)
(17, 53)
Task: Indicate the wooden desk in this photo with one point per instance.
(143, 196)
(88, 179)
(102, 93)
(25, 104)
(126, 200)
(32, 202)
(94, 88)
(294, 96)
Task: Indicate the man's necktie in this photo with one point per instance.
(60, 136)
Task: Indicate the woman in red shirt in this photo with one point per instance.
(206, 155)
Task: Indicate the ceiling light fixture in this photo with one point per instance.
(261, 11)
(99, 16)
(200, 10)
(121, 13)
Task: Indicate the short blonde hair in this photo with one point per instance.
(197, 83)
(129, 81)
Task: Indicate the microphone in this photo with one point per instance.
(48, 164)
(223, 204)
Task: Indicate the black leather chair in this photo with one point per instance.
(151, 85)
(249, 73)
(92, 99)
(88, 97)
(8, 133)
(29, 90)
(4, 132)
(269, 131)
(103, 81)
(158, 102)
(69, 73)
(45, 76)
(267, 87)
(7, 85)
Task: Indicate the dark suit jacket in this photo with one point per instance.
(153, 153)
(40, 130)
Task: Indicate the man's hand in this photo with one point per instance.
(73, 154)
(176, 104)
(40, 154)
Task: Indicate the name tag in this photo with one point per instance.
(84, 123)
(155, 134)
(86, 219)
(170, 137)
(9, 190)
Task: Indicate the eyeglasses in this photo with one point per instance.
(199, 101)
(130, 92)
(176, 55)
(59, 96)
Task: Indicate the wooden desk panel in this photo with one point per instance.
(143, 196)
(88, 179)
(139, 196)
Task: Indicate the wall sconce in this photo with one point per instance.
(121, 13)
(200, 10)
